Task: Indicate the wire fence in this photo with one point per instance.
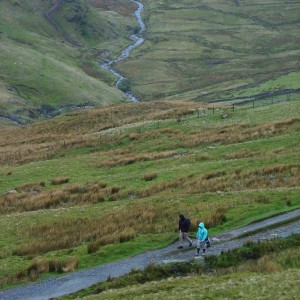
(225, 107)
(219, 109)
(265, 98)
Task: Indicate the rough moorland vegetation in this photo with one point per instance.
(231, 273)
(97, 185)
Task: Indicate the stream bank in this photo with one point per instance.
(138, 40)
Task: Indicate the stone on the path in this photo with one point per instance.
(168, 261)
(216, 240)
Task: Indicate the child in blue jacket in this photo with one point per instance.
(202, 239)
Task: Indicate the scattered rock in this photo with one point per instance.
(11, 192)
(105, 54)
(167, 261)
(215, 240)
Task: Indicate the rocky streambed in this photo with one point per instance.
(137, 41)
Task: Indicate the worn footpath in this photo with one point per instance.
(71, 283)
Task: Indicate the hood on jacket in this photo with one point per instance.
(201, 225)
(181, 216)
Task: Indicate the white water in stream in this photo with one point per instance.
(126, 52)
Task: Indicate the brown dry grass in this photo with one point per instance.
(237, 133)
(114, 5)
(266, 177)
(112, 228)
(44, 140)
(127, 159)
(41, 266)
(243, 154)
(60, 180)
(274, 176)
(30, 187)
(149, 176)
(115, 227)
(75, 194)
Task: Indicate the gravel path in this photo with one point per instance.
(70, 283)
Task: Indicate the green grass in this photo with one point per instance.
(42, 70)
(226, 286)
(250, 260)
(290, 81)
(195, 51)
(214, 50)
(11, 265)
(237, 169)
(52, 80)
(81, 163)
(241, 204)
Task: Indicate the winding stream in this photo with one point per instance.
(126, 52)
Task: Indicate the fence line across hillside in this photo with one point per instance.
(253, 103)
(223, 111)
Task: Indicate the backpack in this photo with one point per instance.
(188, 223)
(207, 242)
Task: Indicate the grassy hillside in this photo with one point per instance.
(193, 50)
(237, 286)
(207, 50)
(49, 57)
(272, 266)
(97, 185)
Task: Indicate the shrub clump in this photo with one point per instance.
(151, 273)
(60, 180)
(41, 266)
(149, 176)
(252, 250)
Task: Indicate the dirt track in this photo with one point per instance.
(70, 283)
(49, 17)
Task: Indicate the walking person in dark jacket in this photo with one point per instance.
(184, 227)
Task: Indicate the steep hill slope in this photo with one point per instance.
(50, 52)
